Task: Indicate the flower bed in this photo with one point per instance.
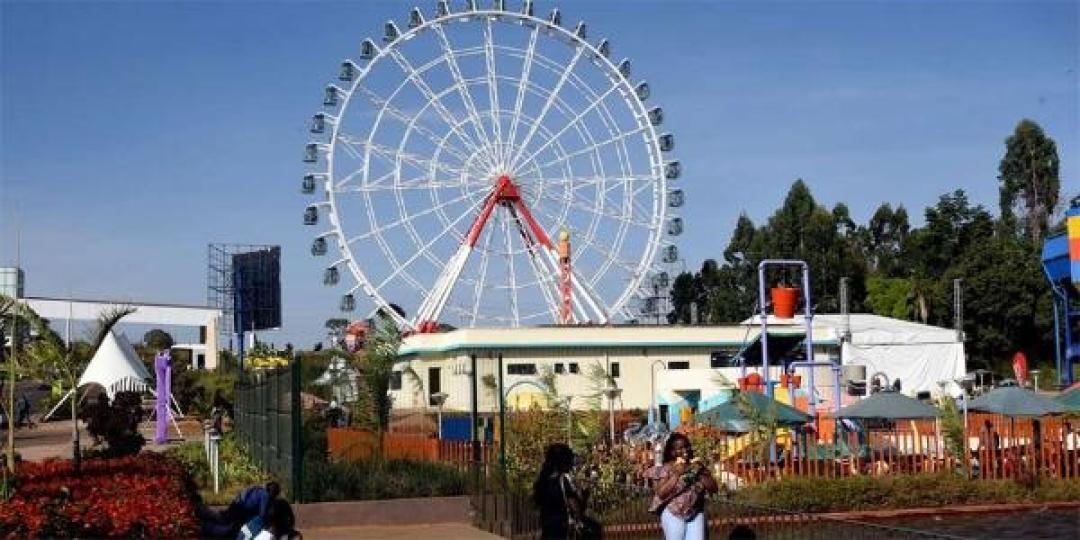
(148, 495)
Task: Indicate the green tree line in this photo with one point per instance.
(897, 270)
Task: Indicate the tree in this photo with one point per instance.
(49, 357)
(375, 365)
(158, 340)
(335, 329)
(1029, 180)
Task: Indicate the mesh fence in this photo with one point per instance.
(268, 423)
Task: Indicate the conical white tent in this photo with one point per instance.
(116, 367)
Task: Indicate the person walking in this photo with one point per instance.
(680, 485)
(22, 412)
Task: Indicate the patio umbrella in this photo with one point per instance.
(1015, 401)
(728, 416)
(1070, 400)
(888, 406)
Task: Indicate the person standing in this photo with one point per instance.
(680, 485)
(562, 506)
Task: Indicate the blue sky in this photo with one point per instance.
(133, 134)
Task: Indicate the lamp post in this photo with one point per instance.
(612, 392)
(653, 413)
(439, 399)
(1035, 376)
(569, 419)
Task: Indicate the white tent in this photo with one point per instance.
(116, 367)
(919, 355)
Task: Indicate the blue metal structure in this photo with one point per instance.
(1061, 263)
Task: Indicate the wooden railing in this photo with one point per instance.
(354, 444)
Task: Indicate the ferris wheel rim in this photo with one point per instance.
(655, 240)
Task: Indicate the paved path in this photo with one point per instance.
(53, 439)
(441, 531)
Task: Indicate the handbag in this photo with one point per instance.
(579, 526)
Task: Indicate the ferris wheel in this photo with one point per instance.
(463, 153)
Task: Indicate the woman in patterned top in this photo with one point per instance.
(680, 485)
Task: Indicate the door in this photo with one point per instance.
(434, 383)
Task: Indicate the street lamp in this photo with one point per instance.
(439, 398)
(569, 418)
(653, 413)
(1035, 376)
(612, 392)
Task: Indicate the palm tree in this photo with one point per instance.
(49, 357)
(375, 367)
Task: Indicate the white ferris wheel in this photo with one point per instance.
(454, 153)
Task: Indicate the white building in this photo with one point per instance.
(670, 366)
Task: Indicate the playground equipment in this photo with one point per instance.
(1061, 263)
(808, 315)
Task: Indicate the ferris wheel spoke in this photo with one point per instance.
(547, 106)
(399, 115)
(383, 228)
(523, 82)
(422, 250)
(460, 84)
(392, 155)
(596, 146)
(511, 279)
(435, 101)
(598, 209)
(493, 93)
(485, 257)
(577, 119)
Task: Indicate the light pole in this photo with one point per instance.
(612, 392)
(653, 413)
(439, 398)
(1035, 376)
(569, 419)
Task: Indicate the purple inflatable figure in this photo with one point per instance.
(163, 369)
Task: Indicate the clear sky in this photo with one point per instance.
(135, 133)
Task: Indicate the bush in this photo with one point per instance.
(378, 479)
(116, 424)
(195, 389)
(900, 491)
(137, 496)
(238, 470)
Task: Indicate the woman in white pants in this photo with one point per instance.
(680, 484)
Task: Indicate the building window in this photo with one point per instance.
(560, 368)
(395, 380)
(614, 370)
(521, 369)
(722, 359)
(678, 365)
(574, 368)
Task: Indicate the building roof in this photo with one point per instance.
(866, 329)
(574, 337)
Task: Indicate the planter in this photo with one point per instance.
(784, 300)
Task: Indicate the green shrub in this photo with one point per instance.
(194, 389)
(238, 470)
(378, 479)
(900, 491)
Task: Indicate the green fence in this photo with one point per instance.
(268, 423)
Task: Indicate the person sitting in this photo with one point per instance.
(245, 514)
(280, 523)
